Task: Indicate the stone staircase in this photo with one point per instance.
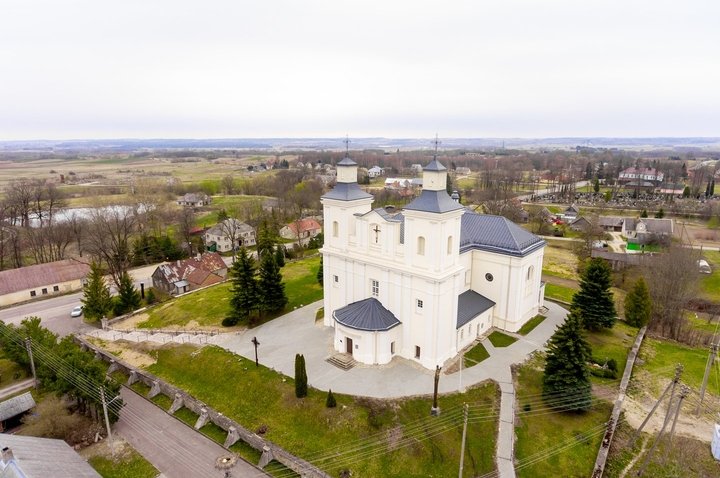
(341, 361)
(159, 337)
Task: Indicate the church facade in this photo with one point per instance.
(422, 282)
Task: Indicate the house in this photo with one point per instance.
(611, 223)
(194, 200)
(640, 176)
(375, 171)
(416, 168)
(32, 457)
(424, 282)
(462, 170)
(228, 235)
(580, 224)
(26, 283)
(12, 410)
(646, 230)
(670, 188)
(571, 212)
(397, 183)
(182, 276)
(301, 230)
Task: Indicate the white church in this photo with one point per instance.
(424, 282)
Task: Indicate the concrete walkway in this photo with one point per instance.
(16, 387)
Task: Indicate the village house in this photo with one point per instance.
(375, 171)
(301, 230)
(228, 235)
(30, 282)
(194, 200)
(424, 282)
(182, 276)
(32, 457)
(13, 409)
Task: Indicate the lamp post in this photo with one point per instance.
(255, 343)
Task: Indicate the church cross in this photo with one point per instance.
(347, 146)
(377, 231)
(436, 142)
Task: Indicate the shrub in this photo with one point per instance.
(330, 401)
(229, 321)
(300, 377)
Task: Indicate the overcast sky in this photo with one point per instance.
(392, 68)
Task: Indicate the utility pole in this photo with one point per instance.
(107, 420)
(435, 410)
(255, 343)
(684, 392)
(708, 367)
(462, 449)
(671, 385)
(32, 360)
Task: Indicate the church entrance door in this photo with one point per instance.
(348, 345)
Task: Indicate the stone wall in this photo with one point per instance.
(206, 414)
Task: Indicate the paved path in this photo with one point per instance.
(16, 387)
(174, 448)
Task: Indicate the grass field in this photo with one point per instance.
(208, 307)
(539, 429)
(531, 324)
(559, 292)
(559, 260)
(475, 355)
(397, 431)
(710, 283)
(659, 359)
(612, 344)
(126, 464)
(498, 339)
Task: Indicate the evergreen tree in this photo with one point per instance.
(660, 213)
(96, 294)
(596, 185)
(638, 306)
(566, 380)
(244, 288)
(265, 239)
(280, 256)
(128, 297)
(594, 301)
(449, 185)
(644, 213)
(330, 400)
(300, 377)
(270, 285)
(683, 171)
(686, 192)
(320, 273)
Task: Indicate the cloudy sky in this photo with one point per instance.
(392, 68)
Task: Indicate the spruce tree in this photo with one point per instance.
(638, 306)
(280, 256)
(128, 297)
(244, 288)
(320, 272)
(594, 301)
(300, 377)
(660, 213)
(270, 286)
(644, 213)
(330, 400)
(566, 380)
(265, 239)
(96, 294)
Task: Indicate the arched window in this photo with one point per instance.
(335, 228)
(421, 246)
(530, 273)
(449, 245)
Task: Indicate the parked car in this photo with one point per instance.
(704, 267)
(77, 311)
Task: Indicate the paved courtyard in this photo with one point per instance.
(297, 332)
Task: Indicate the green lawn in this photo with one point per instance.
(540, 429)
(498, 339)
(647, 247)
(710, 283)
(475, 355)
(398, 430)
(129, 464)
(559, 292)
(612, 343)
(531, 324)
(208, 307)
(659, 359)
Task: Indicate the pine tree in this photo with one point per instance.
(638, 306)
(280, 256)
(265, 239)
(566, 380)
(330, 400)
(244, 289)
(300, 377)
(128, 297)
(96, 294)
(594, 301)
(644, 213)
(660, 213)
(270, 285)
(320, 272)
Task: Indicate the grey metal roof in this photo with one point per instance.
(346, 161)
(15, 406)
(45, 458)
(367, 314)
(435, 165)
(496, 234)
(433, 201)
(470, 305)
(346, 192)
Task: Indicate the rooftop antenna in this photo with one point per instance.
(347, 146)
(436, 142)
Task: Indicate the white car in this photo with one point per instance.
(77, 311)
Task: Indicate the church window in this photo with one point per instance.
(449, 245)
(419, 304)
(335, 228)
(392, 348)
(489, 277)
(417, 351)
(375, 288)
(421, 246)
(462, 333)
(530, 272)
(336, 279)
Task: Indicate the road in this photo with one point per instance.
(174, 448)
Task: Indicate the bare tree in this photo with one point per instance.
(108, 237)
